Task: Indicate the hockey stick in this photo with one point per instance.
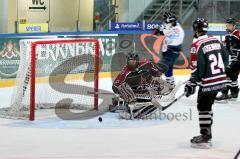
(103, 93)
(174, 101)
(237, 155)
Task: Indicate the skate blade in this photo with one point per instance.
(221, 101)
(201, 145)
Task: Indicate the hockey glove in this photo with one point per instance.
(158, 30)
(190, 88)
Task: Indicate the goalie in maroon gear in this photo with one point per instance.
(138, 75)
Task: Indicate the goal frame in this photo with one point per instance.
(33, 69)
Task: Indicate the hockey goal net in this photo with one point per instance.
(55, 73)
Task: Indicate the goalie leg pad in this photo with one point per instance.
(118, 105)
(139, 111)
(145, 112)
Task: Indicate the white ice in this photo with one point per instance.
(53, 138)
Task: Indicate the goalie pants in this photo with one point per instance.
(204, 106)
(169, 58)
(232, 72)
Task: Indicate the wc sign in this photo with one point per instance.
(38, 5)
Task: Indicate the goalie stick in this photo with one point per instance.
(174, 101)
(103, 93)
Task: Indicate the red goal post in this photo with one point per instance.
(33, 69)
(55, 74)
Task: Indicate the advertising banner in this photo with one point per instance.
(217, 27)
(149, 26)
(33, 28)
(113, 48)
(127, 26)
(9, 57)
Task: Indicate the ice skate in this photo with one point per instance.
(201, 142)
(234, 96)
(222, 99)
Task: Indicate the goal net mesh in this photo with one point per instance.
(65, 76)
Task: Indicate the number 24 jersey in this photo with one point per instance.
(208, 60)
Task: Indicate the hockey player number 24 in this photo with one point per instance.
(217, 64)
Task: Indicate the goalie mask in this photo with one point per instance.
(132, 60)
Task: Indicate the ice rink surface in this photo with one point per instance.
(54, 138)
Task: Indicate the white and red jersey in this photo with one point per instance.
(174, 37)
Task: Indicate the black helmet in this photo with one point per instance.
(200, 25)
(169, 17)
(231, 21)
(132, 56)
